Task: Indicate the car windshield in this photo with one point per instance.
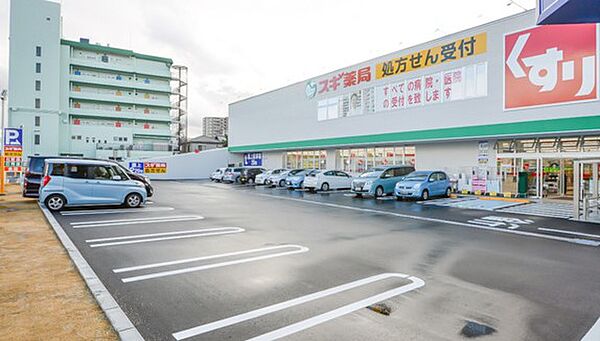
(416, 177)
(296, 171)
(371, 174)
(314, 172)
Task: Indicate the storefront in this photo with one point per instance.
(503, 107)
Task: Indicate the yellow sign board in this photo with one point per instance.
(155, 167)
(442, 54)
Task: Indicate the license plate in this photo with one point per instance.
(358, 188)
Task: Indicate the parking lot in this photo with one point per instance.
(210, 261)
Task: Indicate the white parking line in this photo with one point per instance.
(102, 223)
(117, 210)
(570, 232)
(196, 259)
(299, 249)
(586, 242)
(112, 241)
(313, 321)
(594, 333)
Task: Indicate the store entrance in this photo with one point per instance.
(558, 179)
(537, 177)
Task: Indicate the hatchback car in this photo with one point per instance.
(380, 181)
(325, 180)
(278, 180)
(296, 180)
(217, 175)
(263, 178)
(423, 185)
(79, 182)
(248, 175)
(232, 175)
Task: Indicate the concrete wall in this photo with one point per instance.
(193, 165)
(453, 157)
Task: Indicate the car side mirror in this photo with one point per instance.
(117, 178)
(431, 179)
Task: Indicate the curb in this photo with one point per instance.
(119, 321)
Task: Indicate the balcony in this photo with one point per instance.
(151, 132)
(133, 115)
(146, 147)
(125, 83)
(123, 67)
(138, 100)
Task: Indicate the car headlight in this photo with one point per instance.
(368, 183)
(416, 186)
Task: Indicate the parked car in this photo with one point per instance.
(33, 176)
(232, 175)
(278, 180)
(248, 175)
(263, 178)
(423, 185)
(77, 182)
(325, 180)
(217, 175)
(296, 180)
(380, 181)
(35, 170)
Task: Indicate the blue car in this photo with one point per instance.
(423, 185)
(379, 181)
(295, 179)
(79, 182)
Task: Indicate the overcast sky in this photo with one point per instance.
(238, 48)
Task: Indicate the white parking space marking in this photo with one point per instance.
(196, 259)
(311, 322)
(298, 249)
(117, 210)
(586, 242)
(594, 333)
(155, 237)
(570, 232)
(103, 223)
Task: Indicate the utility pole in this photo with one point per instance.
(3, 98)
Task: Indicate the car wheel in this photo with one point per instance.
(398, 198)
(325, 187)
(425, 195)
(251, 181)
(379, 192)
(133, 200)
(281, 183)
(358, 195)
(448, 192)
(55, 202)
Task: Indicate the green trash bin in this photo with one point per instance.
(523, 185)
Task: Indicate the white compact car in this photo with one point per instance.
(325, 180)
(217, 175)
(278, 179)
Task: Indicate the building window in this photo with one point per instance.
(38, 103)
(36, 139)
(38, 67)
(38, 51)
(37, 121)
(38, 85)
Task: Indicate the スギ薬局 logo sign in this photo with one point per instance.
(552, 64)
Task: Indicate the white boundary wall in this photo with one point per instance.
(192, 165)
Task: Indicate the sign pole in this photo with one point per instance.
(2, 175)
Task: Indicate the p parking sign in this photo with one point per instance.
(13, 137)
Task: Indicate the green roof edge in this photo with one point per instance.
(107, 49)
(561, 125)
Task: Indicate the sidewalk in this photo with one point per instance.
(42, 295)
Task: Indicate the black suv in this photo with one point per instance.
(248, 175)
(33, 176)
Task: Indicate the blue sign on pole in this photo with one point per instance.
(252, 159)
(13, 137)
(137, 167)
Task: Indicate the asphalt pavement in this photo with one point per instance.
(207, 261)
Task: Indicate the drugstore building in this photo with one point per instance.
(502, 107)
